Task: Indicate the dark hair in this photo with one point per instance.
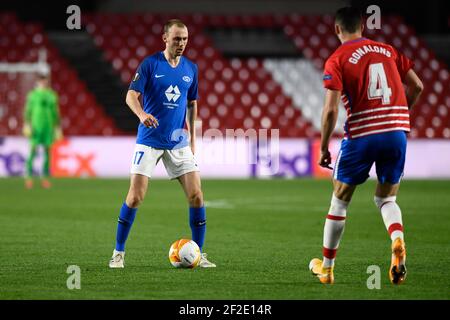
(173, 22)
(43, 75)
(349, 19)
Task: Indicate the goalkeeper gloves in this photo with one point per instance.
(58, 133)
(26, 130)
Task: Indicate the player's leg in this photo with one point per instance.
(30, 160)
(180, 164)
(351, 169)
(197, 213)
(191, 185)
(335, 221)
(135, 196)
(29, 165)
(45, 182)
(333, 231)
(389, 167)
(385, 199)
(143, 162)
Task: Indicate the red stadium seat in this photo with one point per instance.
(236, 93)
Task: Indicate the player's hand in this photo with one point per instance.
(325, 159)
(26, 130)
(148, 120)
(193, 147)
(58, 133)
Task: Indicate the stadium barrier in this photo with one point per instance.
(217, 158)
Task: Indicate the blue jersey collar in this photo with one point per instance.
(163, 57)
(354, 40)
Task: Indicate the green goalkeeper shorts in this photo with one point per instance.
(44, 137)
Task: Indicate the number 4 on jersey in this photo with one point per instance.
(378, 86)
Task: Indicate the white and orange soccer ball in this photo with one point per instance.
(184, 253)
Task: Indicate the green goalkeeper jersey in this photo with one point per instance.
(42, 113)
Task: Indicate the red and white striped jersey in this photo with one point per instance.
(369, 75)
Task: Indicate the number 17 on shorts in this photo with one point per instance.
(138, 157)
(144, 160)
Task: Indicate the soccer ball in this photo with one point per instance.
(184, 253)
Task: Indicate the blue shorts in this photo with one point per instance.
(356, 157)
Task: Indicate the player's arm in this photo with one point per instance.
(329, 117)
(57, 119)
(191, 117)
(133, 101)
(57, 114)
(414, 88)
(26, 130)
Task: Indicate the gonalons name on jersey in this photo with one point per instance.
(360, 52)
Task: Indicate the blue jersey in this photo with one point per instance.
(165, 92)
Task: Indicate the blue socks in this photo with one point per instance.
(197, 221)
(124, 224)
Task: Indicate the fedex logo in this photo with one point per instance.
(66, 162)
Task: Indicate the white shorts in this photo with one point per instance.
(177, 161)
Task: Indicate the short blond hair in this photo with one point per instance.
(173, 22)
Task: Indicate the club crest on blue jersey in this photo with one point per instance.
(173, 93)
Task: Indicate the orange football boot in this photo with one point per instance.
(325, 275)
(397, 271)
(46, 184)
(28, 183)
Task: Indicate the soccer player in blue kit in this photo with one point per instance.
(163, 94)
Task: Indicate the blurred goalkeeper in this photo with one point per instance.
(41, 126)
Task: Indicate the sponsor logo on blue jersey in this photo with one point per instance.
(173, 93)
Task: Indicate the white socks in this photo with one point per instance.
(392, 216)
(335, 223)
(333, 230)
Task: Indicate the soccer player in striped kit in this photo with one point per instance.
(368, 76)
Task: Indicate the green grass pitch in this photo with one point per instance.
(261, 234)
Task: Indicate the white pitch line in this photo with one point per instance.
(219, 204)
